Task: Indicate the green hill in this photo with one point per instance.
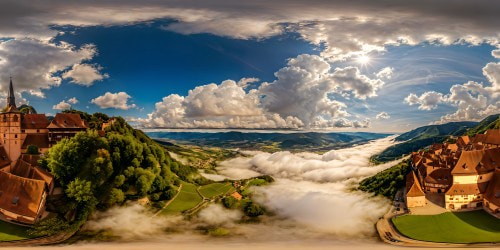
(422, 137)
(490, 122)
(452, 128)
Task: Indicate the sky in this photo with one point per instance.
(359, 65)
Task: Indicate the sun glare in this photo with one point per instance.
(364, 59)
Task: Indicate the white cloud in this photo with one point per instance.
(313, 190)
(298, 98)
(473, 100)
(496, 53)
(84, 74)
(427, 101)
(385, 73)
(382, 116)
(117, 100)
(34, 64)
(63, 105)
(344, 28)
(73, 100)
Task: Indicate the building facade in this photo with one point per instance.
(465, 173)
(24, 186)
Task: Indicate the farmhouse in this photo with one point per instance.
(466, 174)
(24, 186)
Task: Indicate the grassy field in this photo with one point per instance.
(188, 198)
(464, 227)
(215, 189)
(10, 232)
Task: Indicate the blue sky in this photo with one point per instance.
(154, 65)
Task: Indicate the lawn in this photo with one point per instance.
(464, 227)
(10, 232)
(187, 199)
(215, 189)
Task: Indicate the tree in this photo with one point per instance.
(116, 196)
(80, 190)
(32, 150)
(229, 202)
(253, 209)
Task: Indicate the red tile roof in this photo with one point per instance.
(493, 193)
(492, 137)
(34, 121)
(39, 140)
(413, 188)
(467, 189)
(475, 162)
(4, 157)
(20, 195)
(63, 120)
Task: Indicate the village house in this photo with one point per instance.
(466, 174)
(24, 186)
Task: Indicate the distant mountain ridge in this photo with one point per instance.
(452, 128)
(490, 122)
(421, 137)
(271, 142)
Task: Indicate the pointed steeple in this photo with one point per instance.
(11, 100)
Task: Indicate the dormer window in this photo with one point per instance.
(15, 200)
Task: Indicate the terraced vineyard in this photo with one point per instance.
(187, 198)
(216, 189)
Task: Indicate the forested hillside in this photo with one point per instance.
(97, 172)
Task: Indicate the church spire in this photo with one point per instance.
(11, 100)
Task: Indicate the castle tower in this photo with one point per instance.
(10, 127)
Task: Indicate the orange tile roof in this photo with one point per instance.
(43, 175)
(34, 121)
(493, 191)
(27, 192)
(21, 168)
(467, 189)
(413, 188)
(439, 176)
(39, 140)
(492, 137)
(4, 157)
(474, 162)
(63, 120)
(31, 159)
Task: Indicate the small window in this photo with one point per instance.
(38, 130)
(15, 136)
(23, 131)
(15, 200)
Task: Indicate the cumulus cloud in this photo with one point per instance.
(299, 97)
(63, 105)
(382, 116)
(385, 73)
(34, 64)
(427, 101)
(473, 100)
(496, 53)
(73, 100)
(315, 190)
(84, 74)
(117, 100)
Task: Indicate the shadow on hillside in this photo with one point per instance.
(479, 219)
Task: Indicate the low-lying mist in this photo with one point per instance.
(313, 197)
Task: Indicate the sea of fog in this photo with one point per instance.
(312, 202)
